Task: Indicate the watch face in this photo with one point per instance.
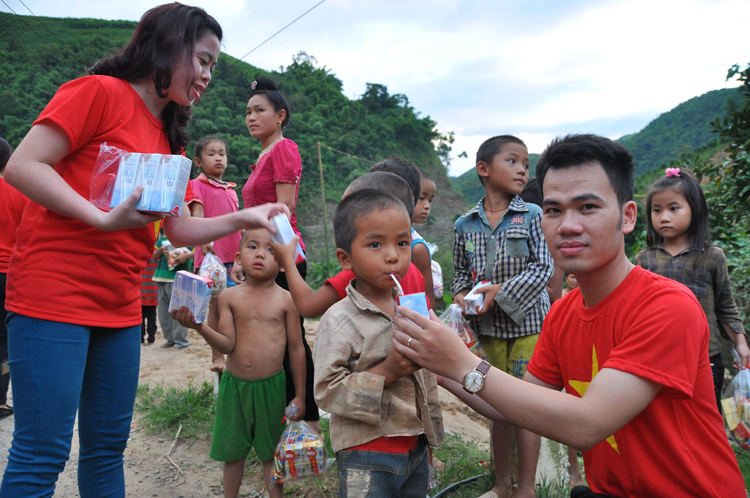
(474, 381)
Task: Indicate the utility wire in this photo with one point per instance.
(32, 29)
(38, 19)
(270, 37)
(28, 51)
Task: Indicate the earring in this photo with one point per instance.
(278, 124)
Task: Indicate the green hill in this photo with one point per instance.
(683, 129)
(471, 188)
(42, 53)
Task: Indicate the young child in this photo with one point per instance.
(313, 303)
(679, 247)
(420, 255)
(501, 240)
(257, 319)
(175, 335)
(149, 301)
(384, 408)
(421, 212)
(214, 197)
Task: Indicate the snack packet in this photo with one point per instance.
(453, 318)
(192, 291)
(737, 407)
(172, 255)
(472, 301)
(301, 452)
(213, 269)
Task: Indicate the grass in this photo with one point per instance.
(163, 409)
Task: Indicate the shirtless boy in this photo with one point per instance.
(256, 320)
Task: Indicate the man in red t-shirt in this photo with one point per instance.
(629, 347)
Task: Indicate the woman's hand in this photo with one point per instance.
(124, 216)
(433, 345)
(259, 216)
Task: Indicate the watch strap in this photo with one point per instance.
(483, 368)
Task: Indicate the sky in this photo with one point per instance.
(531, 68)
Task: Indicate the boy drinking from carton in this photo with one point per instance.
(384, 408)
(500, 241)
(256, 320)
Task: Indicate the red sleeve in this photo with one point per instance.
(544, 363)
(413, 281)
(78, 107)
(189, 196)
(287, 163)
(340, 282)
(664, 341)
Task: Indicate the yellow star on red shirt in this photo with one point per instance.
(581, 387)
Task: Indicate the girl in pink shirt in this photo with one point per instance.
(214, 197)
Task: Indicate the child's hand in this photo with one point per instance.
(299, 402)
(459, 299)
(164, 250)
(183, 258)
(284, 253)
(489, 291)
(185, 318)
(207, 248)
(744, 352)
(399, 365)
(219, 364)
(237, 274)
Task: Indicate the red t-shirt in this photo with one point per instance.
(217, 199)
(412, 283)
(652, 327)
(12, 203)
(62, 269)
(282, 165)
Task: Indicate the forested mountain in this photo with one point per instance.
(42, 53)
(683, 129)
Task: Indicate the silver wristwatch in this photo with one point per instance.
(474, 380)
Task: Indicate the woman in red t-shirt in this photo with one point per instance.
(73, 282)
(275, 178)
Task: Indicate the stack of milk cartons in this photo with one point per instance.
(164, 178)
(192, 291)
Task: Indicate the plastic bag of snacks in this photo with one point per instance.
(737, 407)
(453, 318)
(301, 452)
(117, 173)
(213, 269)
(172, 256)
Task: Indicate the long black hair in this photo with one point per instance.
(164, 37)
(687, 186)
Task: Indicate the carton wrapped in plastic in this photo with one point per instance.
(301, 452)
(192, 291)
(473, 302)
(285, 235)
(117, 173)
(453, 318)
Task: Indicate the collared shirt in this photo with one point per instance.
(353, 337)
(513, 253)
(708, 278)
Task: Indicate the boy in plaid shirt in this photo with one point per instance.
(501, 240)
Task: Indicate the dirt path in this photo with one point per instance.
(148, 473)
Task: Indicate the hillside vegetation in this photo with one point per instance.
(42, 53)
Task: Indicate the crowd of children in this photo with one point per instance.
(377, 363)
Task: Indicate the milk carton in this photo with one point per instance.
(150, 172)
(415, 302)
(472, 301)
(285, 234)
(192, 291)
(128, 178)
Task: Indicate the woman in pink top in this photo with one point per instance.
(276, 176)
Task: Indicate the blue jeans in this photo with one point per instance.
(365, 474)
(58, 368)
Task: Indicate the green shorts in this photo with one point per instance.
(249, 414)
(509, 355)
